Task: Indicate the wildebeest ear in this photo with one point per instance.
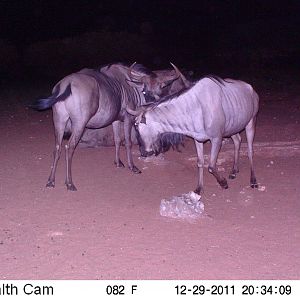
(143, 119)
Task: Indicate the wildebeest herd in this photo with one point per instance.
(162, 105)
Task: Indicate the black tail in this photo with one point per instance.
(46, 103)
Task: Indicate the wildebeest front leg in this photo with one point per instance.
(237, 145)
(215, 149)
(250, 131)
(200, 165)
(128, 123)
(117, 138)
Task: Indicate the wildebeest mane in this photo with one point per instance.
(167, 140)
(175, 95)
(137, 67)
(218, 80)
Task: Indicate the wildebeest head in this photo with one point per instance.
(157, 84)
(152, 141)
(143, 129)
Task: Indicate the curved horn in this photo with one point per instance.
(132, 65)
(176, 69)
(135, 75)
(132, 112)
(130, 69)
(185, 81)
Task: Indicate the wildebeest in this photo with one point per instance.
(211, 109)
(168, 81)
(94, 99)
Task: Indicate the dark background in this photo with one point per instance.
(49, 39)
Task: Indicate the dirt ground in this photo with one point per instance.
(111, 227)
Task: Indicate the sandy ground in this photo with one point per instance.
(111, 227)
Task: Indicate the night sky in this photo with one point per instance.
(28, 21)
(180, 30)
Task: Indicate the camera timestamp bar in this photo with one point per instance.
(144, 289)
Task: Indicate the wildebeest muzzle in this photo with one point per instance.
(149, 97)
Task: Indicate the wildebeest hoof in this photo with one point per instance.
(119, 164)
(253, 182)
(223, 184)
(71, 187)
(254, 185)
(233, 174)
(198, 190)
(135, 170)
(50, 184)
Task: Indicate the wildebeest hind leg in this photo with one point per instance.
(77, 131)
(117, 139)
(215, 149)
(237, 145)
(59, 126)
